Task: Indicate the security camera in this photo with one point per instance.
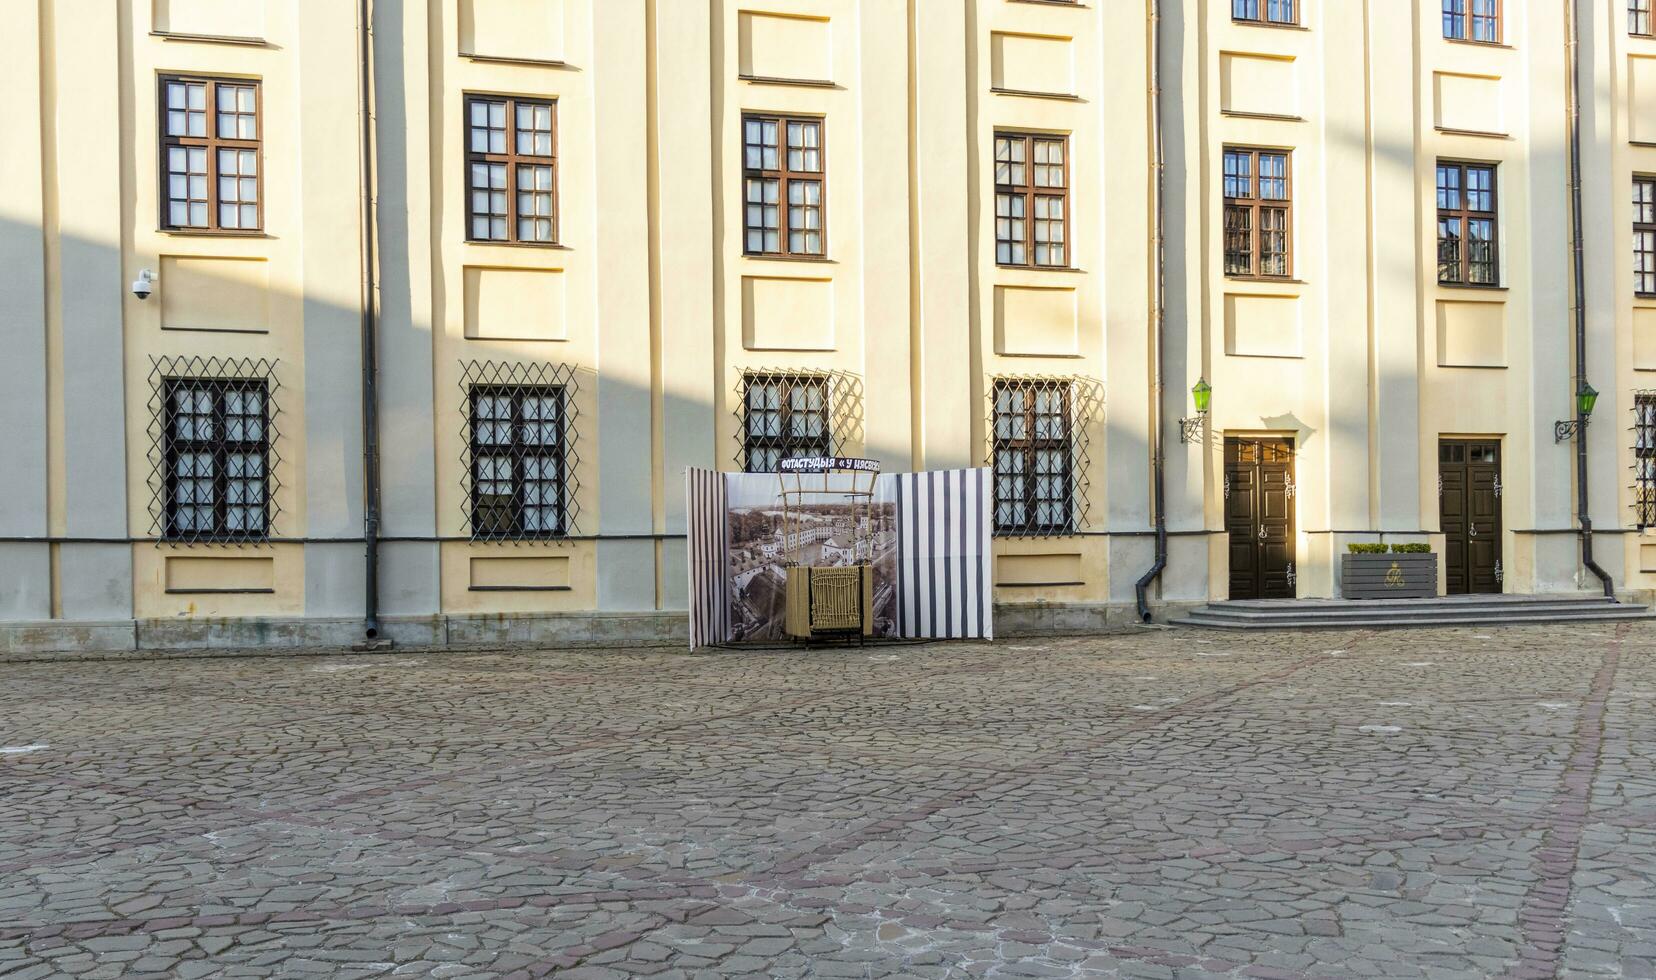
(144, 284)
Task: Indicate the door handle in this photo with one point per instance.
(1474, 530)
(1262, 532)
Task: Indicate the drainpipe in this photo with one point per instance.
(1585, 521)
(1159, 320)
(370, 338)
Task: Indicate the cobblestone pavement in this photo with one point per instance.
(1159, 804)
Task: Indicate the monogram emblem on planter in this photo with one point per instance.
(1394, 576)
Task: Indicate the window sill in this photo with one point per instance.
(1497, 45)
(1239, 114)
(549, 246)
(807, 259)
(495, 59)
(220, 591)
(1030, 94)
(1473, 287)
(1487, 133)
(1279, 280)
(1054, 3)
(244, 40)
(1036, 585)
(1273, 25)
(1039, 268)
(776, 80)
(520, 588)
(206, 233)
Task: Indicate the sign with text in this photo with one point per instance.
(824, 464)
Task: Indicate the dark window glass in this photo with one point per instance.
(1472, 20)
(1258, 218)
(1032, 458)
(216, 456)
(785, 417)
(518, 461)
(511, 170)
(1468, 243)
(1032, 200)
(783, 181)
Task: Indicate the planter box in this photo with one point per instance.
(1389, 576)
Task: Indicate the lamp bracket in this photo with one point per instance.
(1191, 427)
(1563, 430)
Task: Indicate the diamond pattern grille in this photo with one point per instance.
(1038, 446)
(1644, 458)
(792, 414)
(214, 449)
(519, 451)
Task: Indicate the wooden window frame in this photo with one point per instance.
(1641, 15)
(785, 178)
(1262, 11)
(219, 447)
(1465, 215)
(511, 159)
(1028, 191)
(785, 442)
(212, 143)
(1643, 225)
(1255, 207)
(1466, 19)
(518, 452)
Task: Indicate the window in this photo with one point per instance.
(1258, 213)
(1644, 458)
(782, 161)
(1466, 224)
(1264, 11)
(1638, 18)
(1032, 456)
(216, 459)
(785, 417)
(511, 170)
(1472, 20)
(517, 460)
(210, 154)
(1032, 200)
(1644, 236)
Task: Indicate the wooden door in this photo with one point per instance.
(1469, 511)
(1259, 517)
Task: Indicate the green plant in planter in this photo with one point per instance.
(1411, 549)
(1366, 549)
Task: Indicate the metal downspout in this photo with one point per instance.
(1585, 521)
(1159, 316)
(370, 337)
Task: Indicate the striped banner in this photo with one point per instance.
(945, 582)
(709, 560)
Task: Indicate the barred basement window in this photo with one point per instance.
(1644, 458)
(519, 458)
(212, 457)
(1644, 236)
(795, 414)
(1033, 459)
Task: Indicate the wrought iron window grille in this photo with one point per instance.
(519, 455)
(793, 414)
(1644, 458)
(1038, 429)
(214, 455)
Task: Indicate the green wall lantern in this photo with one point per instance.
(1191, 426)
(1586, 397)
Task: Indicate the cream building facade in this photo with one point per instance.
(613, 239)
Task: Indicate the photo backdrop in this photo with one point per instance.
(927, 536)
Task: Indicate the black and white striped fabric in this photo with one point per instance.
(709, 560)
(945, 579)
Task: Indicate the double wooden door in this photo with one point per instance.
(1259, 517)
(1469, 511)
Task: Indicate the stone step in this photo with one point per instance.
(1403, 611)
(1600, 612)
